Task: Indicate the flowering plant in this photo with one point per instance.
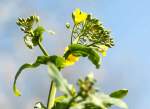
(89, 38)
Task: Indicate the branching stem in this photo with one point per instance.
(72, 33)
(52, 90)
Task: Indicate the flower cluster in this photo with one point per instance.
(89, 32)
(89, 38)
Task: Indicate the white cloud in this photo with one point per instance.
(7, 66)
(8, 10)
(4, 102)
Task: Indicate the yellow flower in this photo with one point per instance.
(71, 59)
(103, 50)
(79, 16)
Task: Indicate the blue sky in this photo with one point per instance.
(125, 66)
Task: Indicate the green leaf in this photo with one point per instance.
(119, 93)
(84, 51)
(25, 66)
(60, 98)
(61, 83)
(91, 106)
(60, 102)
(100, 99)
(60, 105)
(58, 61)
(16, 91)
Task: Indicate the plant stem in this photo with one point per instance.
(51, 96)
(72, 34)
(81, 33)
(52, 90)
(42, 49)
(92, 44)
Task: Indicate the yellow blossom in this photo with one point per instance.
(103, 49)
(79, 16)
(71, 59)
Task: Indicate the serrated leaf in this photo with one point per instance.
(84, 51)
(119, 93)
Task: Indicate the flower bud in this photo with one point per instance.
(67, 25)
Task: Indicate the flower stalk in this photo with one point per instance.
(51, 96)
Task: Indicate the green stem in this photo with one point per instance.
(52, 90)
(72, 34)
(51, 96)
(42, 49)
(92, 44)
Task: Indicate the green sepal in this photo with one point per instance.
(38, 35)
(84, 51)
(32, 38)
